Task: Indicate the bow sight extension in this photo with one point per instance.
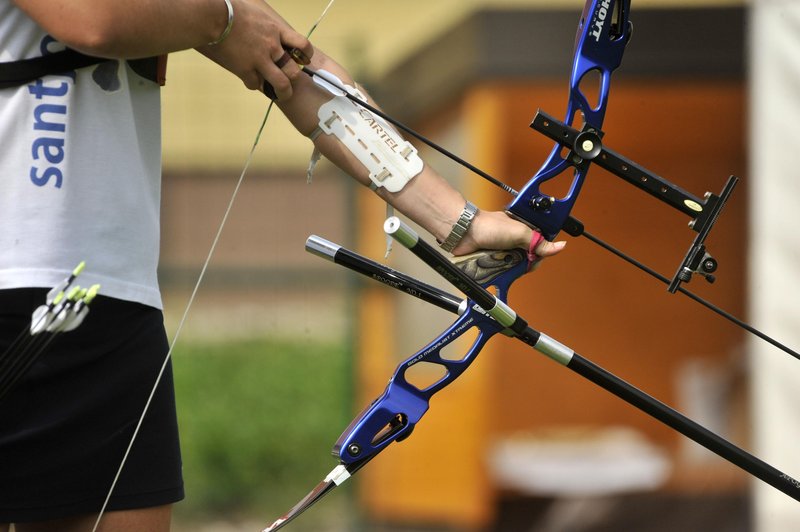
(586, 147)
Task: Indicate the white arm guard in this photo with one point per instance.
(391, 160)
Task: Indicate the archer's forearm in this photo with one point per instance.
(427, 199)
(128, 29)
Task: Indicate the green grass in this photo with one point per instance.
(258, 420)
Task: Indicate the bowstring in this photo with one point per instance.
(196, 288)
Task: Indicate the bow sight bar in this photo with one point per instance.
(586, 147)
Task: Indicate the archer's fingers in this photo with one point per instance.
(298, 47)
(548, 249)
(289, 38)
(277, 81)
(287, 64)
(541, 249)
(290, 62)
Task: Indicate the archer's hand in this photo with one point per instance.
(496, 230)
(257, 41)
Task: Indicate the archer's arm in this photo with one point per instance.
(141, 28)
(428, 199)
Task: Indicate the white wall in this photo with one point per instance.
(774, 253)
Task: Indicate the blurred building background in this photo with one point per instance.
(517, 443)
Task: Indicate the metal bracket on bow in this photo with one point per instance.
(585, 146)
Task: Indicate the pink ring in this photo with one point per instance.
(533, 258)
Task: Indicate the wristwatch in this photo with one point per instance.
(460, 228)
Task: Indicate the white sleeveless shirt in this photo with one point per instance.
(80, 172)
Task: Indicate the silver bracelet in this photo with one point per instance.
(228, 27)
(460, 228)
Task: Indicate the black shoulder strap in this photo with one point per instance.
(16, 73)
(152, 68)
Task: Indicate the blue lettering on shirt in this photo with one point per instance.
(50, 118)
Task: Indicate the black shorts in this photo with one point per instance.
(65, 426)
